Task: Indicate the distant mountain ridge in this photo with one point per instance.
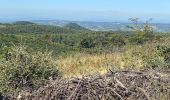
(102, 26)
(74, 26)
(89, 25)
(24, 27)
(23, 23)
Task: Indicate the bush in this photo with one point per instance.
(165, 52)
(144, 56)
(118, 40)
(23, 70)
(138, 39)
(88, 43)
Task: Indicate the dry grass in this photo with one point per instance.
(81, 64)
(136, 57)
(84, 64)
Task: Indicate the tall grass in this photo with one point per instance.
(133, 57)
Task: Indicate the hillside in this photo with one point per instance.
(21, 27)
(38, 62)
(85, 50)
(23, 23)
(75, 26)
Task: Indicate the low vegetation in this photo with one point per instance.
(23, 70)
(32, 56)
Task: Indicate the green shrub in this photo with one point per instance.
(138, 39)
(118, 40)
(88, 42)
(23, 70)
(144, 56)
(165, 52)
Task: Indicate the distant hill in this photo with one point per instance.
(102, 26)
(74, 26)
(22, 28)
(23, 23)
(77, 26)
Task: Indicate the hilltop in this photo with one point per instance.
(23, 23)
(75, 26)
(30, 27)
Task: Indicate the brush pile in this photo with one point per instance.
(118, 85)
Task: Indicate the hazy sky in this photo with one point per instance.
(85, 10)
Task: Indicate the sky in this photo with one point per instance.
(85, 10)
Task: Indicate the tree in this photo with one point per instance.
(87, 43)
(143, 31)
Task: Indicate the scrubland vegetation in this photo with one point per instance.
(32, 56)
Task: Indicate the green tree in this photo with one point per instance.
(143, 31)
(88, 43)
